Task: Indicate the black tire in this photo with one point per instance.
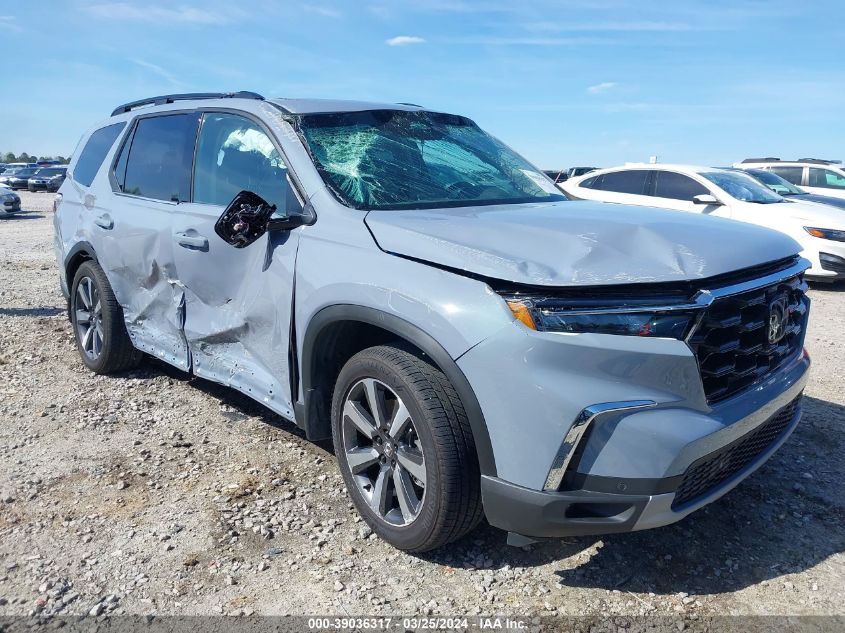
(116, 351)
(451, 504)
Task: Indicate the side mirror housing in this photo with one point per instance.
(706, 199)
(245, 219)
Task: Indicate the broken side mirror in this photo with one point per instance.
(244, 220)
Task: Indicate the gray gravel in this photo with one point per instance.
(151, 492)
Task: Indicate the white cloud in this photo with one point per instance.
(648, 26)
(602, 87)
(526, 41)
(158, 70)
(8, 22)
(404, 40)
(182, 14)
(326, 12)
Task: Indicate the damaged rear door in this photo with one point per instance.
(237, 300)
(151, 178)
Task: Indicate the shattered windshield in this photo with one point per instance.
(392, 159)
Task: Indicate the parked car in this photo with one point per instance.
(400, 281)
(47, 179)
(19, 178)
(2, 167)
(10, 171)
(10, 202)
(822, 177)
(727, 193)
(556, 175)
(786, 189)
(563, 175)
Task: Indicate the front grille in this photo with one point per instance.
(732, 342)
(711, 471)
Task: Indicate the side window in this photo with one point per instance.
(592, 183)
(669, 184)
(159, 162)
(629, 181)
(790, 174)
(826, 178)
(94, 153)
(233, 155)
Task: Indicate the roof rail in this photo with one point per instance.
(405, 103)
(161, 100)
(819, 161)
(768, 159)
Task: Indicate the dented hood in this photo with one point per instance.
(577, 243)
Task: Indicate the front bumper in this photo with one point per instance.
(626, 505)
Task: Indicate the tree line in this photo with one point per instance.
(10, 157)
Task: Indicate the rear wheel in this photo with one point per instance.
(98, 325)
(405, 449)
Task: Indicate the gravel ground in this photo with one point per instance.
(155, 493)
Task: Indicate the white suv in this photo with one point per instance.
(823, 177)
(819, 228)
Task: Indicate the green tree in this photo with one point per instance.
(10, 158)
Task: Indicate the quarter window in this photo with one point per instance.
(233, 155)
(790, 174)
(826, 179)
(629, 181)
(158, 165)
(94, 153)
(593, 182)
(669, 184)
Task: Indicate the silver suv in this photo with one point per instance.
(402, 282)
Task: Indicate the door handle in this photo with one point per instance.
(104, 221)
(192, 241)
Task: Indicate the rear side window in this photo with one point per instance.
(826, 178)
(159, 162)
(94, 153)
(669, 184)
(593, 182)
(630, 181)
(790, 174)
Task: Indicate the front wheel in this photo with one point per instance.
(98, 325)
(405, 449)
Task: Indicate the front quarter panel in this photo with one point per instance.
(339, 264)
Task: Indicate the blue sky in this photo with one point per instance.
(576, 82)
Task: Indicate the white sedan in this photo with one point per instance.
(819, 228)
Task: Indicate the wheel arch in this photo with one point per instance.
(80, 252)
(319, 367)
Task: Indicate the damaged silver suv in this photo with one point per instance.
(402, 282)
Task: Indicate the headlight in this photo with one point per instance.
(664, 322)
(826, 234)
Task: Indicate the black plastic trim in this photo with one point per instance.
(548, 514)
(307, 412)
(833, 263)
(191, 96)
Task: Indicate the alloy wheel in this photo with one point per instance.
(383, 451)
(88, 317)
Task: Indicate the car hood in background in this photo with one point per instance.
(577, 243)
(814, 214)
(811, 197)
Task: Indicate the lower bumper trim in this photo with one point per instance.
(556, 514)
